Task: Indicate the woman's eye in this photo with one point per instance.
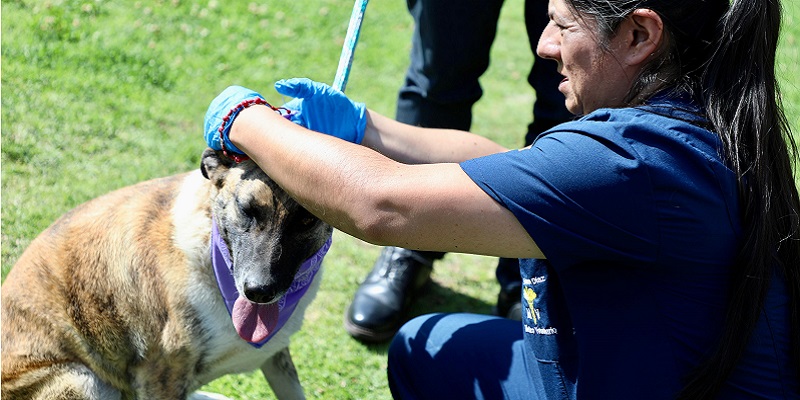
(557, 25)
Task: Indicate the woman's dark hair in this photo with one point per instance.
(724, 54)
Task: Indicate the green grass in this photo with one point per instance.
(99, 94)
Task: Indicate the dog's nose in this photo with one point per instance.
(260, 293)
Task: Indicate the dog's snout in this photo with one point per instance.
(260, 293)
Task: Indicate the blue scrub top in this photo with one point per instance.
(639, 220)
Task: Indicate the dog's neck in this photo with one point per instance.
(223, 270)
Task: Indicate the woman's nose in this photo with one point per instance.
(548, 46)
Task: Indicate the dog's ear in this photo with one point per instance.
(215, 165)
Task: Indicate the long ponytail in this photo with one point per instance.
(743, 104)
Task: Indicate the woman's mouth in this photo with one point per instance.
(562, 84)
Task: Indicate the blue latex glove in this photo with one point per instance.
(322, 108)
(228, 103)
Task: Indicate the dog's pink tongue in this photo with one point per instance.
(254, 321)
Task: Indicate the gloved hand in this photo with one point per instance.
(322, 108)
(221, 112)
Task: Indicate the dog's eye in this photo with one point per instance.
(308, 221)
(305, 218)
(248, 211)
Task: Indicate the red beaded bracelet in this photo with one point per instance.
(236, 157)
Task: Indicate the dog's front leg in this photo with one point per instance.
(282, 377)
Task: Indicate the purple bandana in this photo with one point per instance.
(253, 321)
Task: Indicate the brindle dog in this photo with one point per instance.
(118, 298)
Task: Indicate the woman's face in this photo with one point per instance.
(593, 76)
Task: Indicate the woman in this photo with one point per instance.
(658, 234)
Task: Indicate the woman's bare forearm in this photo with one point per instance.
(414, 145)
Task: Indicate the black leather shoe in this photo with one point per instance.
(380, 303)
(509, 302)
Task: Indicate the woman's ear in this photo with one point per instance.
(644, 34)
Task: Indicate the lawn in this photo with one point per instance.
(101, 94)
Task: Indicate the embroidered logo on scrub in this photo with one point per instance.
(534, 314)
(530, 296)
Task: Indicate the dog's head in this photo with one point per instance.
(268, 233)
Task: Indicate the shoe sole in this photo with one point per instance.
(366, 335)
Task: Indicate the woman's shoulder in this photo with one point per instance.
(660, 123)
(658, 115)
